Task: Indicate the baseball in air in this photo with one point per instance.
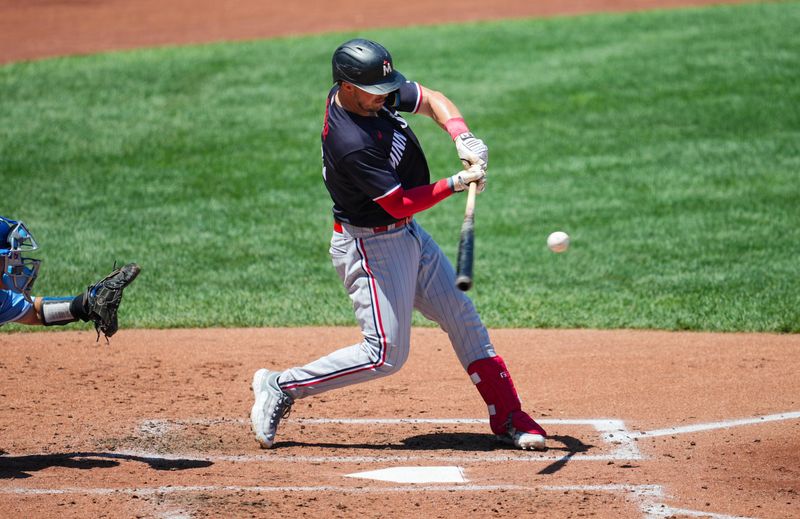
(558, 241)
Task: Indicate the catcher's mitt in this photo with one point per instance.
(101, 300)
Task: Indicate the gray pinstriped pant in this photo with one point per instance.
(387, 276)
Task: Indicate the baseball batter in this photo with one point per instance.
(99, 303)
(378, 178)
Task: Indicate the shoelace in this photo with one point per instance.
(284, 407)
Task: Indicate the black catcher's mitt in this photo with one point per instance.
(101, 300)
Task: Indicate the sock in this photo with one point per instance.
(491, 378)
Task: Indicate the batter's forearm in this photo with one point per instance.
(443, 111)
(402, 203)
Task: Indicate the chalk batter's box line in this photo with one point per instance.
(650, 499)
(611, 431)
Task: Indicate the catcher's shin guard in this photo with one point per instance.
(506, 417)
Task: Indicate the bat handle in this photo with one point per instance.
(473, 190)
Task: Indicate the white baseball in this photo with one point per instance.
(558, 241)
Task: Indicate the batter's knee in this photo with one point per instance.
(387, 356)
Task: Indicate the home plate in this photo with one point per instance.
(414, 475)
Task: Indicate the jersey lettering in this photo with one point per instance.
(396, 116)
(398, 147)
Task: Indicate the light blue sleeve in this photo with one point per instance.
(13, 306)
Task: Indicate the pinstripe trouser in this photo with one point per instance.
(387, 276)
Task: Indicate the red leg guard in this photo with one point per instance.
(494, 383)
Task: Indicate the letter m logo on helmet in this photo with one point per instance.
(367, 65)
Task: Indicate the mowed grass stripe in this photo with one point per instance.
(666, 143)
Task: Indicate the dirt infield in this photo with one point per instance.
(642, 424)
(40, 28)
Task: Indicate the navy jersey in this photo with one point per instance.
(368, 158)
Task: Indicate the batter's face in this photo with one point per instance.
(359, 101)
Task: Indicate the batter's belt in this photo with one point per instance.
(337, 225)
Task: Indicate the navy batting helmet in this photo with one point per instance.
(367, 65)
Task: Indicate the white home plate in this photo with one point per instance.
(414, 475)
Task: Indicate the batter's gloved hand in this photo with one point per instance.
(101, 300)
(472, 150)
(461, 180)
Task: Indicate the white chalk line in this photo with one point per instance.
(612, 431)
(607, 426)
(178, 489)
(728, 424)
(649, 498)
(529, 457)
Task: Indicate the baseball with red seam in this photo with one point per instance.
(558, 241)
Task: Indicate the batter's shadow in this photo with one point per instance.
(571, 447)
(466, 442)
(20, 467)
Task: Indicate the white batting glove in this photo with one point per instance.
(472, 150)
(461, 180)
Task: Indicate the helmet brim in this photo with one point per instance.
(388, 85)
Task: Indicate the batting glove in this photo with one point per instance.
(461, 180)
(472, 150)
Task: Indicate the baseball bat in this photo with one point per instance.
(466, 246)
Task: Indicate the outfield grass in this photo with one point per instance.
(666, 143)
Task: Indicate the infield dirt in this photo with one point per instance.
(35, 29)
(155, 425)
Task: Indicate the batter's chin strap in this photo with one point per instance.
(58, 311)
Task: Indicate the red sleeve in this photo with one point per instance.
(401, 203)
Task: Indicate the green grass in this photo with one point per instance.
(666, 143)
